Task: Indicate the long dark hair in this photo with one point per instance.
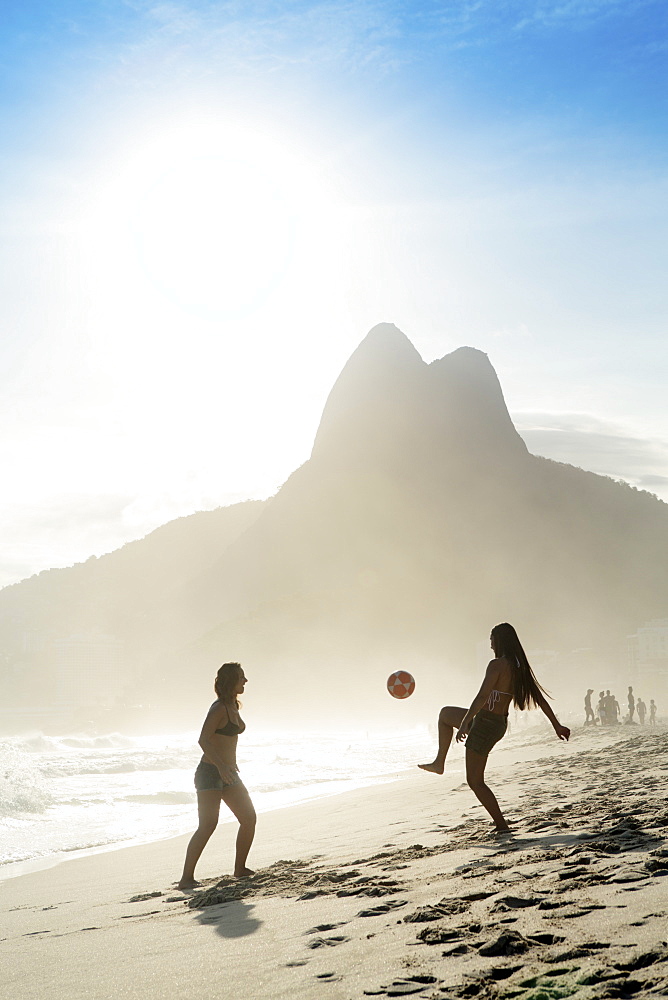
(226, 680)
(526, 689)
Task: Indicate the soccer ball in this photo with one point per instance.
(400, 684)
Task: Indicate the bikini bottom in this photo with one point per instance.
(207, 776)
(487, 729)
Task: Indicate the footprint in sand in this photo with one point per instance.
(445, 908)
(458, 949)
(367, 886)
(329, 942)
(438, 935)
(584, 950)
(321, 928)
(505, 903)
(377, 911)
(514, 943)
(643, 960)
(404, 987)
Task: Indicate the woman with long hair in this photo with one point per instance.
(217, 775)
(509, 680)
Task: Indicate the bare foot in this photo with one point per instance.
(435, 767)
(188, 885)
(500, 831)
(244, 873)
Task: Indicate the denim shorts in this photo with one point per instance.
(207, 777)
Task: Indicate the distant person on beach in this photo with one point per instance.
(616, 710)
(601, 708)
(641, 708)
(509, 680)
(632, 704)
(652, 712)
(611, 708)
(590, 718)
(217, 775)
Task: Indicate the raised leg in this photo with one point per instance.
(208, 808)
(237, 799)
(449, 719)
(475, 776)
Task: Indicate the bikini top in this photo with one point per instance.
(231, 728)
(495, 698)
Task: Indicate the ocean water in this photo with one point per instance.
(77, 793)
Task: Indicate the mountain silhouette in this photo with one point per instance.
(387, 403)
(419, 521)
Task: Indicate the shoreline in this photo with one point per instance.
(76, 812)
(381, 891)
(16, 869)
(525, 743)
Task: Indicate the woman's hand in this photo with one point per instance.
(228, 773)
(463, 730)
(563, 732)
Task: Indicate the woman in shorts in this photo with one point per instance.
(217, 775)
(509, 680)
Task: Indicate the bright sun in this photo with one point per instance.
(214, 216)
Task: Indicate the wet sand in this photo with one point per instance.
(395, 890)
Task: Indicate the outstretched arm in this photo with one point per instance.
(563, 732)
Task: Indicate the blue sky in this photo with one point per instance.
(490, 173)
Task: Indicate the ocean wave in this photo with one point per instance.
(22, 787)
(89, 845)
(62, 767)
(14, 801)
(38, 742)
(93, 791)
(112, 741)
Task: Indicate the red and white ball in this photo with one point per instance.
(401, 684)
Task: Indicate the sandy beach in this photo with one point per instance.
(394, 890)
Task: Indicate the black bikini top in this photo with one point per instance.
(231, 729)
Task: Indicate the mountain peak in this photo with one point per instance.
(388, 399)
(367, 403)
(471, 400)
(388, 343)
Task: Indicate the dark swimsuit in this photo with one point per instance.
(231, 729)
(207, 775)
(488, 726)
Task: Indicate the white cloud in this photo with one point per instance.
(202, 40)
(597, 445)
(581, 13)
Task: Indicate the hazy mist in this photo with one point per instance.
(419, 522)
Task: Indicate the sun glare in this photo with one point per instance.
(215, 217)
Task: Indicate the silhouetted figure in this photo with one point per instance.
(617, 711)
(590, 718)
(601, 708)
(217, 775)
(611, 709)
(641, 708)
(652, 712)
(508, 680)
(632, 704)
